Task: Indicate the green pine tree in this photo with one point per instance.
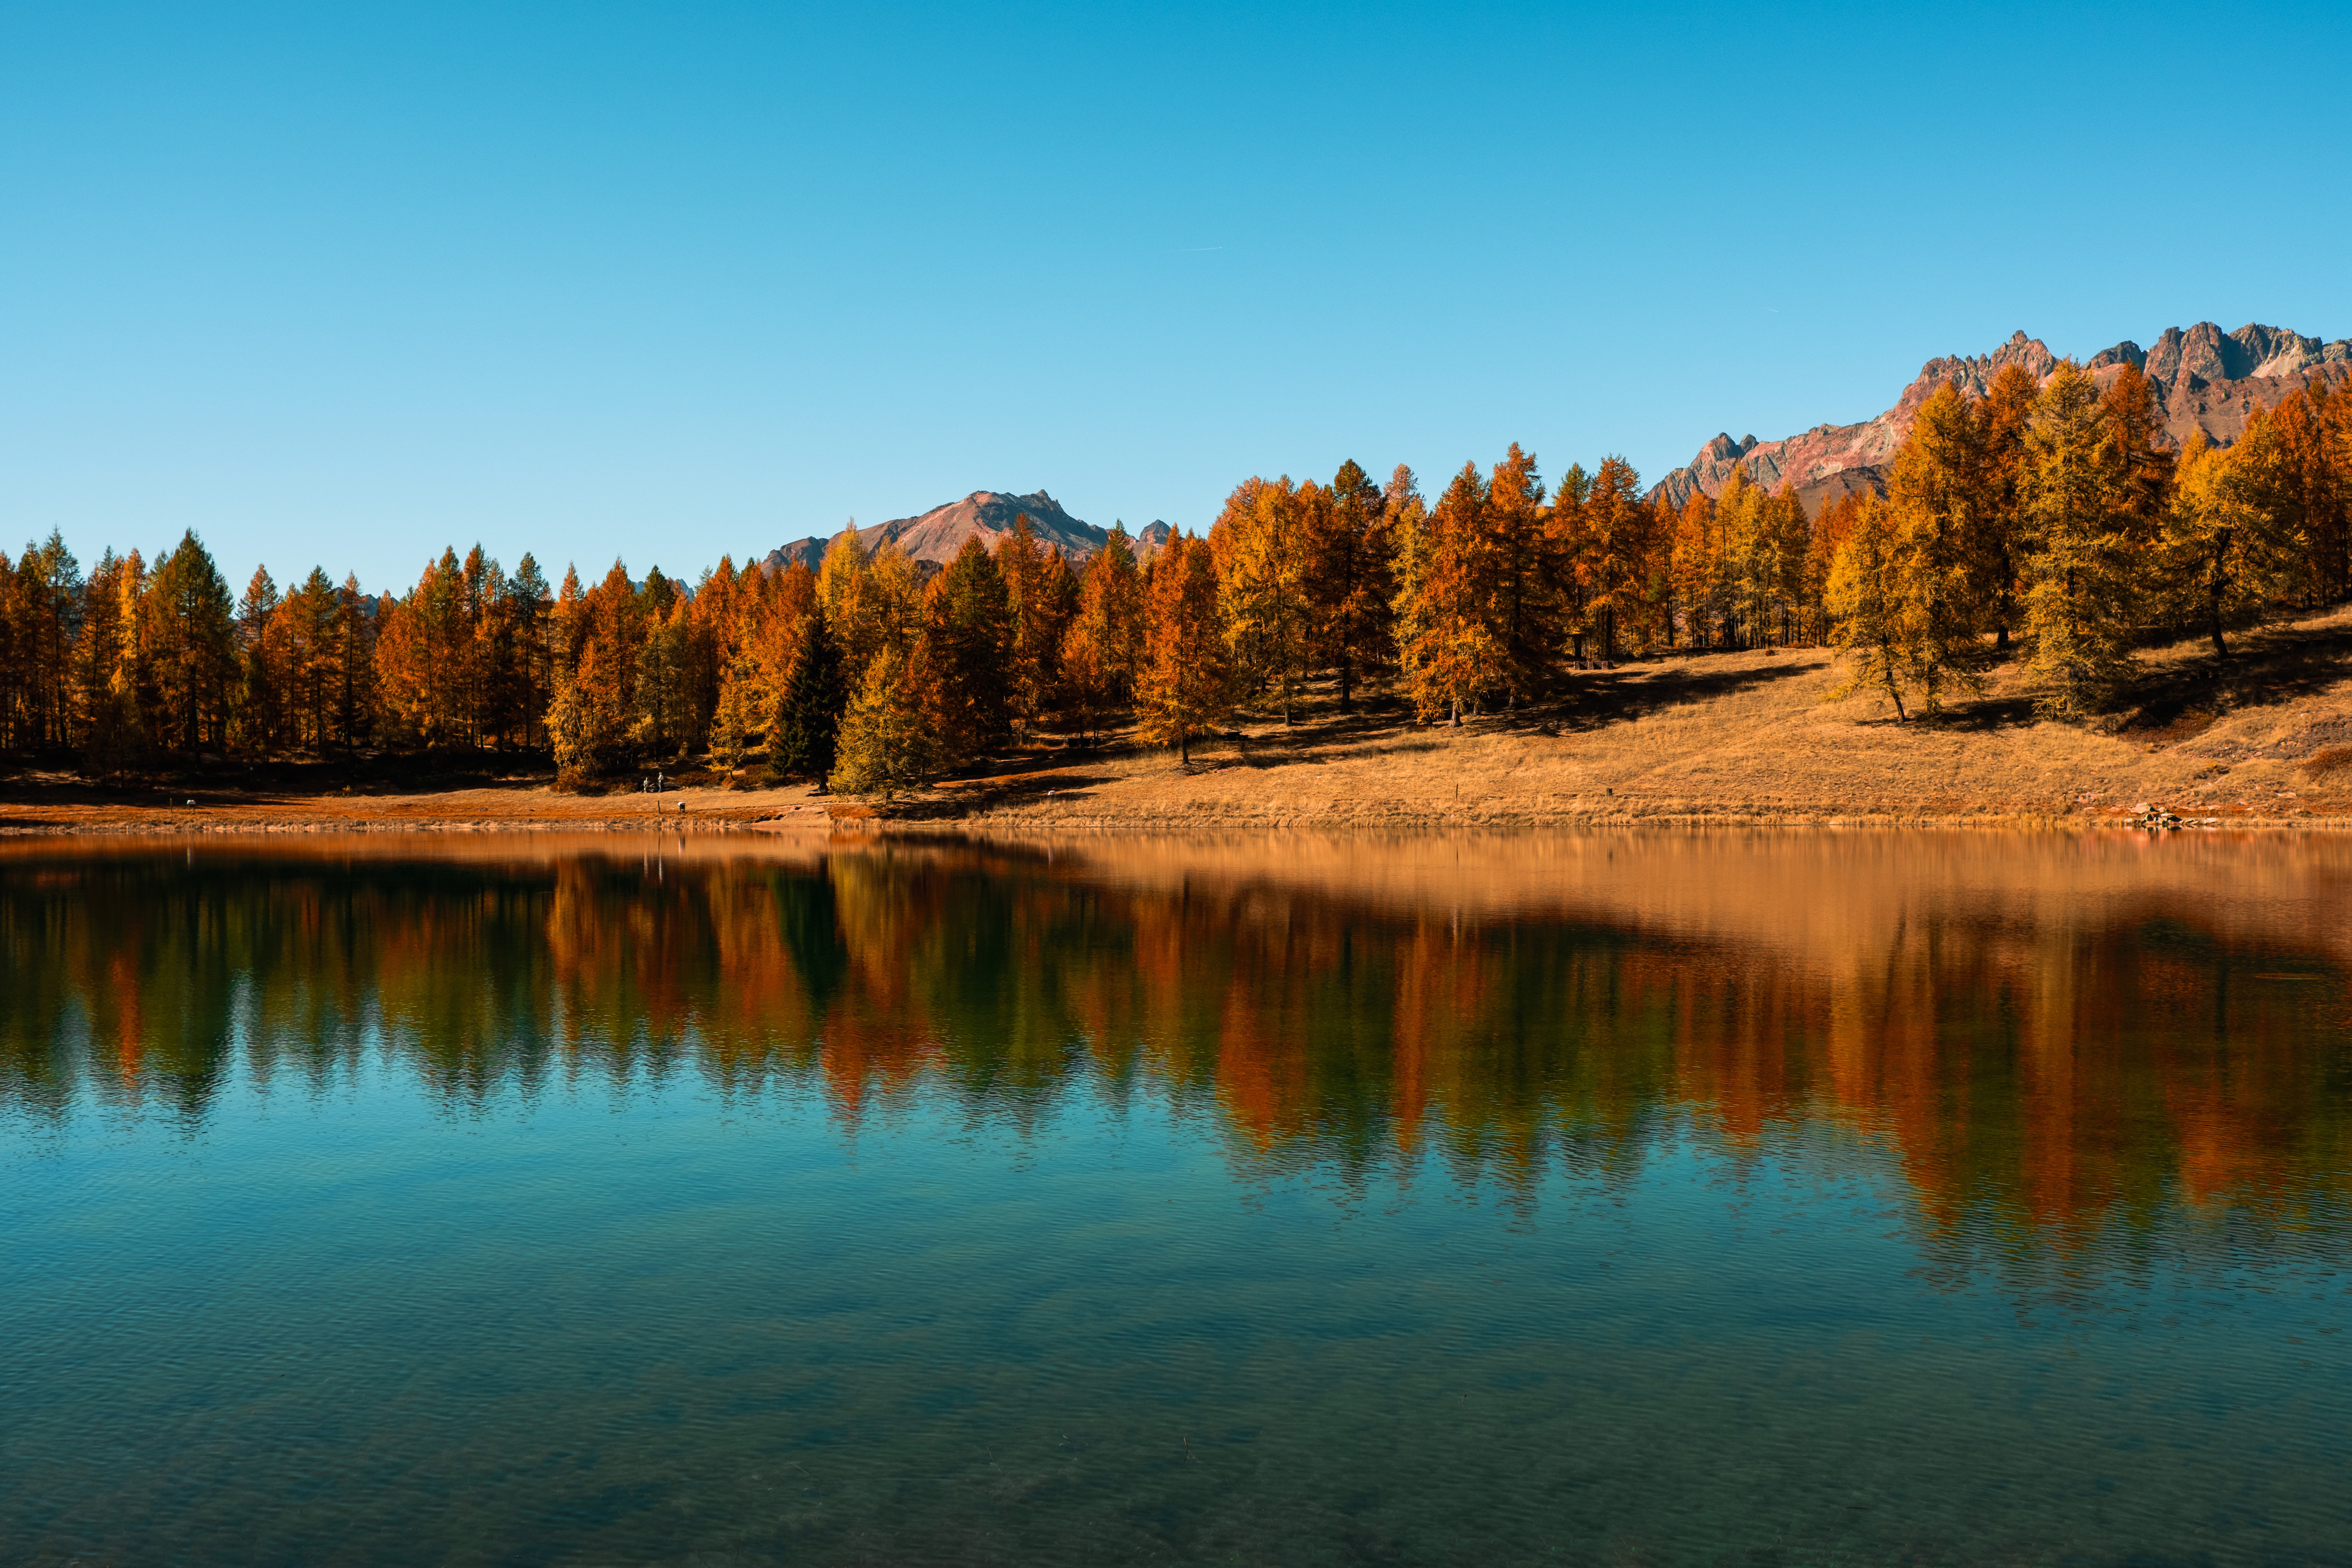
(802, 742)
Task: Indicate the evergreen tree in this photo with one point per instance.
(663, 716)
(262, 693)
(192, 633)
(1350, 582)
(801, 740)
(962, 654)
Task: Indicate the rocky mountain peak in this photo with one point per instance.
(2203, 378)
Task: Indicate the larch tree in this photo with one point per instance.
(192, 633)
(1445, 628)
(1102, 646)
(1350, 581)
(1522, 574)
(888, 745)
(662, 718)
(1934, 495)
(1998, 550)
(1260, 546)
(962, 654)
(1185, 688)
(1696, 569)
(2081, 599)
(1040, 607)
(2225, 557)
(1605, 531)
(1869, 621)
(260, 655)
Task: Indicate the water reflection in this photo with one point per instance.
(2064, 1042)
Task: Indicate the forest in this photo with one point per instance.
(2044, 521)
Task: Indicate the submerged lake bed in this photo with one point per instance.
(1603, 1198)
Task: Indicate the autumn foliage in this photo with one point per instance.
(2041, 520)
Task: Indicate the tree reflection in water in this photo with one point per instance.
(2065, 1042)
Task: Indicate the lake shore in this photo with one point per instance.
(2263, 740)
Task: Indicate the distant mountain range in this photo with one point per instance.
(938, 535)
(2205, 379)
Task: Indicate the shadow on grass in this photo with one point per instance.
(963, 797)
(1597, 700)
(2268, 668)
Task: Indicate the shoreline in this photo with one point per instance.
(862, 824)
(1759, 739)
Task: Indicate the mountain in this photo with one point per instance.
(2204, 379)
(938, 535)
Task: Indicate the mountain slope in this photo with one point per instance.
(938, 535)
(2204, 379)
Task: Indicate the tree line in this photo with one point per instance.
(2041, 518)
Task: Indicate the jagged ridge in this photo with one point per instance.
(2205, 379)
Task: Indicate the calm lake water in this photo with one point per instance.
(1642, 1199)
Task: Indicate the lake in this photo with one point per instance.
(1621, 1199)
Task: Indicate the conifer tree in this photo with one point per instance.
(2080, 601)
(353, 667)
(1041, 596)
(888, 743)
(261, 693)
(2225, 558)
(1522, 578)
(1934, 500)
(109, 715)
(961, 653)
(1871, 624)
(1103, 643)
(1350, 581)
(1260, 547)
(587, 723)
(1998, 550)
(192, 633)
(801, 741)
(1696, 569)
(531, 603)
(1444, 623)
(663, 716)
(1827, 536)
(1608, 535)
(853, 606)
(1185, 691)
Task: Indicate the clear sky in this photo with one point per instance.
(340, 284)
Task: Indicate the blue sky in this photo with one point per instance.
(340, 285)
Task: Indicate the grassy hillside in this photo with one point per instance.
(2263, 736)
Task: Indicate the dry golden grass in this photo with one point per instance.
(1742, 738)
(1713, 738)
